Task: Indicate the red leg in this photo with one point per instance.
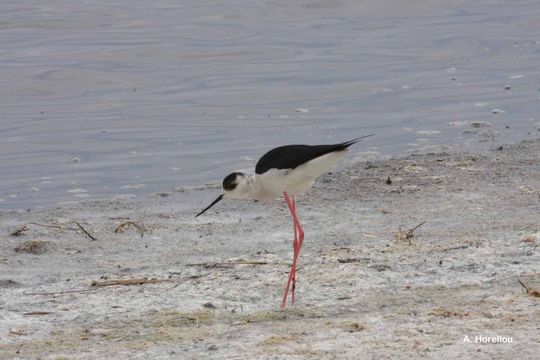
(296, 246)
(292, 279)
(298, 238)
(298, 228)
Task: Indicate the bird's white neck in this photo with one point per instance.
(249, 188)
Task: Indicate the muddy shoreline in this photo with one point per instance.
(211, 287)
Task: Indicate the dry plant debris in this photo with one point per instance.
(85, 231)
(352, 260)
(530, 291)
(228, 264)
(123, 227)
(443, 312)
(407, 234)
(96, 285)
(19, 231)
(127, 282)
(277, 340)
(37, 313)
(17, 332)
(23, 228)
(530, 238)
(73, 291)
(356, 327)
(36, 247)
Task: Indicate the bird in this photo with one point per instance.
(287, 171)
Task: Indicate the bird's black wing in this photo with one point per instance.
(292, 156)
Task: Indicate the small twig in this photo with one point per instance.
(212, 265)
(62, 292)
(23, 228)
(37, 313)
(99, 285)
(289, 265)
(529, 291)
(522, 284)
(84, 231)
(407, 234)
(198, 276)
(410, 233)
(346, 261)
(49, 226)
(351, 260)
(191, 277)
(228, 264)
(250, 262)
(127, 282)
(17, 332)
(456, 248)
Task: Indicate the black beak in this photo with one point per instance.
(212, 204)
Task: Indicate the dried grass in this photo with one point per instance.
(35, 247)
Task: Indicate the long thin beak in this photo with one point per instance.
(212, 204)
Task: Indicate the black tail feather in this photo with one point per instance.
(346, 144)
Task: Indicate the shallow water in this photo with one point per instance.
(132, 97)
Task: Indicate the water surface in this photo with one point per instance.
(101, 98)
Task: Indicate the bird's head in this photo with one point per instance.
(235, 186)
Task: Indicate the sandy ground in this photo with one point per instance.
(362, 293)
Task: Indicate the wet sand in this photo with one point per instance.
(365, 290)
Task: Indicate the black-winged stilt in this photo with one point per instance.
(287, 170)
